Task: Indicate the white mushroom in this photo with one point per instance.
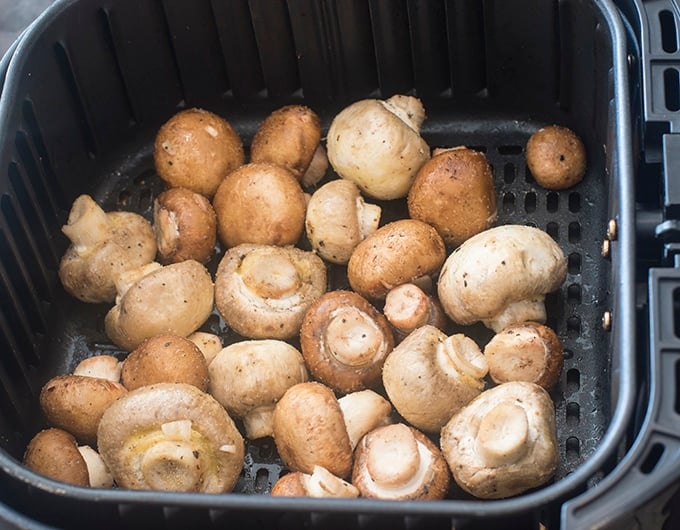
(104, 366)
(98, 474)
(319, 484)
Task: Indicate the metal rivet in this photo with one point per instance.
(606, 249)
(607, 320)
(611, 230)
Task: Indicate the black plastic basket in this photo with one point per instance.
(90, 83)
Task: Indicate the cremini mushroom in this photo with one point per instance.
(263, 291)
(345, 340)
(504, 442)
(556, 157)
(377, 145)
(171, 437)
(176, 298)
(398, 462)
(248, 378)
(501, 276)
(408, 307)
(104, 366)
(338, 219)
(320, 484)
(54, 453)
(103, 245)
(429, 376)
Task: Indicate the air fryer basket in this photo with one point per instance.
(90, 83)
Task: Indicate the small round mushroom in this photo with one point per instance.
(408, 307)
(263, 291)
(249, 377)
(428, 377)
(76, 403)
(501, 277)
(338, 219)
(260, 203)
(177, 298)
(399, 252)
(556, 157)
(104, 366)
(345, 340)
(171, 437)
(103, 245)
(454, 192)
(165, 358)
(525, 352)
(54, 453)
(209, 344)
(377, 145)
(288, 137)
(196, 149)
(398, 462)
(319, 484)
(504, 442)
(185, 226)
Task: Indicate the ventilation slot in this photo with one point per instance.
(671, 84)
(652, 459)
(669, 34)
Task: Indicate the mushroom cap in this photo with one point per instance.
(196, 149)
(103, 246)
(185, 225)
(377, 145)
(338, 219)
(209, 344)
(288, 137)
(396, 253)
(263, 291)
(176, 298)
(504, 442)
(260, 203)
(76, 403)
(171, 437)
(556, 157)
(345, 341)
(493, 272)
(309, 430)
(428, 377)
(454, 192)
(165, 358)
(104, 366)
(54, 453)
(525, 352)
(249, 377)
(320, 484)
(398, 462)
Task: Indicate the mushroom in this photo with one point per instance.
(364, 410)
(428, 377)
(98, 474)
(398, 462)
(260, 203)
(171, 437)
(408, 307)
(338, 219)
(185, 226)
(104, 366)
(402, 251)
(288, 137)
(76, 403)
(103, 245)
(320, 484)
(504, 442)
(528, 351)
(196, 149)
(54, 453)
(165, 358)
(317, 168)
(176, 298)
(209, 344)
(556, 157)
(377, 145)
(263, 291)
(345, 340)
(249, 377)
(501, 276)
(454, 192)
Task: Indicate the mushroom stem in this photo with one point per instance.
(258, 423)
(87, 224)
(369, 217)
(502, 435)
(532, 309)
(322, 483)
(172, 465)
(353, 336)
(317, 167)
(98, 473)
(364, 411)
(408, 109)
(461, 354)
(270, 275)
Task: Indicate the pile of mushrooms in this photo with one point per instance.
(369, 386)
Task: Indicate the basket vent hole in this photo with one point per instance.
(553, 230)
(573, 414)
(574, 293)
(652, 459)
(671, 83)
(530, 202)
(669, 34)
(573, 382)
(510, 149)
(262, 480)
(574, 263)
(509, 173)
(677, 381)
(552, 202)
(508, 202)
(676, 313)
(573, 326)
(574, 202)
(573, 448)
(568, 354)
(574, 232)
(124, 199)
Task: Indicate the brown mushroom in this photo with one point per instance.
(408, 307)
(556, 157)
(320, 484)
(54, 453)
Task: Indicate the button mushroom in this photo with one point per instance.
(263, 291)
(104, 366)
(338, 219)
(398, 462)
(525, 352)
(103, 245)
(171, 437)
(249, 377)
(196, 149)
(428, 377)
(320, 484)
(377, 145)
(399, 252)
(176, 298)
(54, 453)
(364, 410)
(556, 157)
(209, 344)
(345, 341)
(504, 442)
(501, 276)
(408, 307)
